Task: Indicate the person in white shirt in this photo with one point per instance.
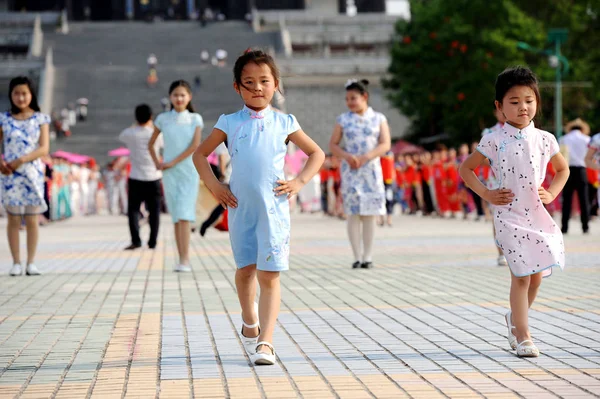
(144, 179)
(576, 143)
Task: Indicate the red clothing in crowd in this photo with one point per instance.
(387, 168)
(426, 173)
(452, 179)
(439, 181)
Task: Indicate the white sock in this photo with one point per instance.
(368, 234)
(354, 235)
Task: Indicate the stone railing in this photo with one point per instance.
(28, 18)
(36, 43)
(46, 85)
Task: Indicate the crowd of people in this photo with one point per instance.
(256, 161)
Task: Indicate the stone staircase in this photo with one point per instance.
(106, 63)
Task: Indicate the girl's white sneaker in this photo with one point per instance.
(16, 270)
(32, 270)
(263, 358)
(250, 342)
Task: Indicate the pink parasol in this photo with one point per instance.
(119, 152)
(402, 147)
(62, 154)
(78, 159)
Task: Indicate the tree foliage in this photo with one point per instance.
(446, 58)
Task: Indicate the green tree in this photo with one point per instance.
(582, 19)
(446, 58)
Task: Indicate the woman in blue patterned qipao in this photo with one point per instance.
(25, 138)
(366, 136)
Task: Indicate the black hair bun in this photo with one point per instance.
(364, 82)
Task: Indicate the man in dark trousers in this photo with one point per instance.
(144, 179)
(576, 142)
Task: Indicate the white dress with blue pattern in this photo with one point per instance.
(23, 190)
(259, 228)
(525, 231)
(362, 189)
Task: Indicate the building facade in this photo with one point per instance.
(173, 9)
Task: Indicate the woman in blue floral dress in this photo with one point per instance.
(366, 136)
(25, 138)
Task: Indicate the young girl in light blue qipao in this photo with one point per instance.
(257, 196)
(182, 130)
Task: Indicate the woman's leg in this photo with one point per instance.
(353, 226)
(178, 239)
(32, 237)
(368, 234)
(184, 237)
(12, 231)
(268, 305)
(519, 305)
(245, 283)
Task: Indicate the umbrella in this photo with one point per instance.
(119, 152)
(62, 154)
(402, 147)
(79, 159)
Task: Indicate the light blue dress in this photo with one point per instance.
(180, 182)
(259, 228)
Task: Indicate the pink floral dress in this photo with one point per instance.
(532, 242)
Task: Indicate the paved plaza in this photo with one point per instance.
(427, 322)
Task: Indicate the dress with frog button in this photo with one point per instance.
(530, 239)
(23, 190)
(259, 228)
(363, 191)
(180, 182)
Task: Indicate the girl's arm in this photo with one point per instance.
(151, 147)
(589, 158)
(561, 167)
(188, 151)
(334, 147)
(501, 196)
(43, 149)
(315, 160)
(220, 191)
(384, 145)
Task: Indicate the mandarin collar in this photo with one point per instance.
(518, 133)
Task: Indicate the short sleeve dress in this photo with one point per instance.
(23, 190)
(363, 191)
(530, 239)
(259, 228)
(180, 182)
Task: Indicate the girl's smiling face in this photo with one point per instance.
(180, 98)
(21, 97)
(519, 106)
(258, 86)
(356, 102)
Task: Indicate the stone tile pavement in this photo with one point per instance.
(427, 322)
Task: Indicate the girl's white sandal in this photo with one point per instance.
(261, 358)
(250, 343)
(527, 348)
(512, 340)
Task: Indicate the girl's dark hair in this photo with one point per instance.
(361, 86)
(517, 76)
(18, 81)
(258, 57)
(185, 85)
